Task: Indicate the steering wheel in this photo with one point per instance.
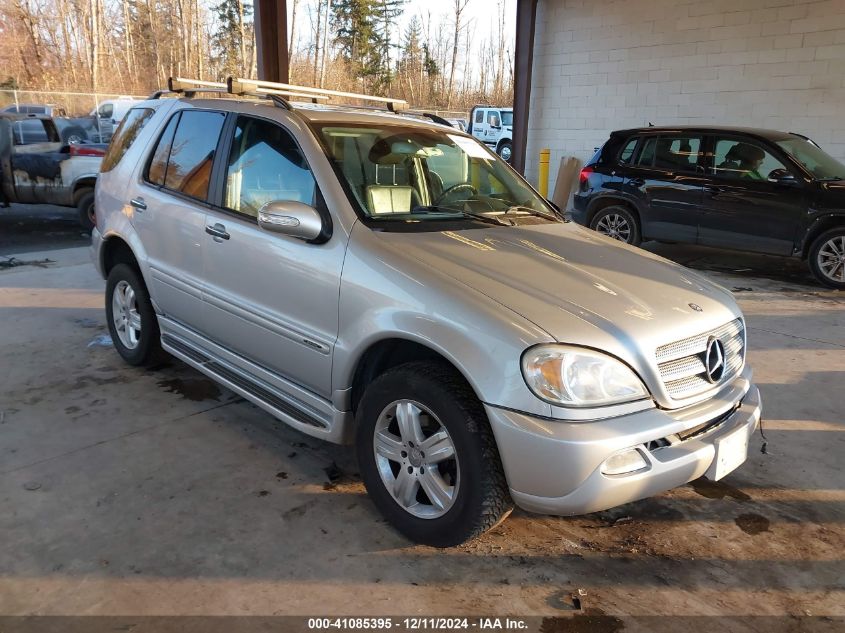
(452, 189)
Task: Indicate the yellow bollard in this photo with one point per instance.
(544, 172)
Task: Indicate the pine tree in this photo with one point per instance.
(362, 35)
(230, 40)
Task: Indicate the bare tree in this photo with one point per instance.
(460, 7)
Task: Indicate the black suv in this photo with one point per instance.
(745, 189)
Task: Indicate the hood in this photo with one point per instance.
(575, 284)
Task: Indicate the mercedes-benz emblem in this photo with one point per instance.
(696, 307)
(714, 360)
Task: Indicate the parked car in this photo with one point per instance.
(48, 109)
(740, 188)
(36, 167)
(71, 130)
(493, 127)
(390, 282)
(108, 115)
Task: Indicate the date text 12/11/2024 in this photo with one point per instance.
(418, 624)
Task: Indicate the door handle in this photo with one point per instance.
(714, 190)
(636, 182)
(218, 231)
(138, 203)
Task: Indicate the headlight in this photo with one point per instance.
(579, 377)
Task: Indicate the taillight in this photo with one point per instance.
(86, 150)
(584, 176)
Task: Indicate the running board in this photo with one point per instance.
(247, 386)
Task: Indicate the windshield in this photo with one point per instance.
(815, 160)
(507, 117)
(415, 174)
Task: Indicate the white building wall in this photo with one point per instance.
(601, 65)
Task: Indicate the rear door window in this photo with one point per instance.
(158, 163)
(126, 134)
(679, 153)
(187, 159)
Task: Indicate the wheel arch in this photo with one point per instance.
(603, 202)
(81, 187)
(387, 353)
(116, 251)
(821, 225)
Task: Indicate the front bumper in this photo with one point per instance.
(554, 467)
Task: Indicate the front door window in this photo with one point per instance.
(743, 160)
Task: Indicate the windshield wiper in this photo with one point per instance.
(489, 219)
(530, 211)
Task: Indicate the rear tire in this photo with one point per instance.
(132, 322)
(85, 210)
(73, 134)
(827, 258)
(462, 469)
(619, 223)
(505, 150)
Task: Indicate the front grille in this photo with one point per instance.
(681, 363)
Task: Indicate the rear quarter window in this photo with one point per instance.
(627, 153)
(126, 133)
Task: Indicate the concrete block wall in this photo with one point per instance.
(601, 65)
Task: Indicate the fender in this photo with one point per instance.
(119, 227)
(820, 223)
(603, 196)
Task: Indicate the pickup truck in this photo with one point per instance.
(493, 126)
(36, 167)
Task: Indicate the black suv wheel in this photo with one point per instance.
(827, 258)
(617, 222)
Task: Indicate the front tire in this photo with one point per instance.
(130, 316)
(619, 223)
(827, 258)
(428, 457)
(85, 211)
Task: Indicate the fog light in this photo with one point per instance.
(627, 461)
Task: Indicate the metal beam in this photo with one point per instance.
(526, 16)
(271, 40)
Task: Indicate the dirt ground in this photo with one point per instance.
(156, 492)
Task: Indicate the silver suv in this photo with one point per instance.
(378, 279)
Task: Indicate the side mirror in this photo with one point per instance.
(291, 218)
(781, 177)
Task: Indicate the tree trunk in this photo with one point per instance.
(95, 45)
(325, 43)
(292, 44)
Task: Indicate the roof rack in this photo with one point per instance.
(277, 91)
(180, 84)
(245, 86)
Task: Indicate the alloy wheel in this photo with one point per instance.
(615, 226)
(831, 258)
(416, 459)
(127, 319)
